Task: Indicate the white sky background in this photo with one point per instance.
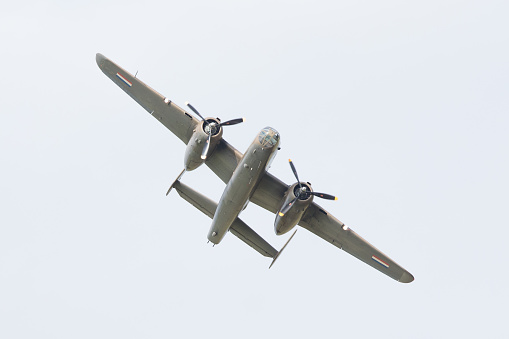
(400, 109)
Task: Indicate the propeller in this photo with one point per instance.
(303, 192)
(211, 128)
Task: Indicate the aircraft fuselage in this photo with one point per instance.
(243, 182)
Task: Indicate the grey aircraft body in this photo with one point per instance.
(247, 180)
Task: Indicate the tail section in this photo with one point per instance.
(239, 228)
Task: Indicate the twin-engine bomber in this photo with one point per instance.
(247, 180)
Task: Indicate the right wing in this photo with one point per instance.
(224, 158)
(170, 115)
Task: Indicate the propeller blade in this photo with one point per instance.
(195, 111)
(232, 122)
(295, 172)
(324, 196)
(287, 207)
(206, 147)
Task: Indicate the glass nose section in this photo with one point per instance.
(268, 137)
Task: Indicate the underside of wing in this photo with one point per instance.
(269, 193)
(224, 160)
(324, 225)
(170, 115)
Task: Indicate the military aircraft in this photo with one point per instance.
(246, 179)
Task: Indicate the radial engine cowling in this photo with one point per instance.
(288, 220)
(194, 155)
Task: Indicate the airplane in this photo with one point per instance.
(247, 180)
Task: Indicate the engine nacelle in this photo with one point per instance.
(286, 222)
(192, 157)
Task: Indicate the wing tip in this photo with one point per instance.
(406, 278)
(100, 59)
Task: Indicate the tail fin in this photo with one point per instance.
(238, 228)
(178, 179)
(281, 250)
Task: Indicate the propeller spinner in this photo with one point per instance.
(302, 192)
(212, 128)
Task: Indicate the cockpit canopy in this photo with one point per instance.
(268, 137)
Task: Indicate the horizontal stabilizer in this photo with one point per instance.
(238, 228)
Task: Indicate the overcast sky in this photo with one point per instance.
(399, 108)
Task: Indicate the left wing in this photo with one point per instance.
(324, 225)
(269, 195)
